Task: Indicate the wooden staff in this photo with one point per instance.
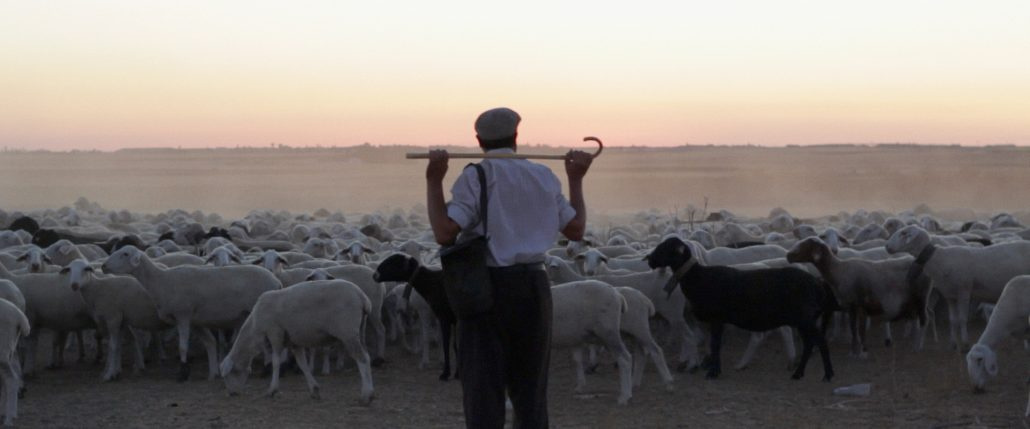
(423, 155)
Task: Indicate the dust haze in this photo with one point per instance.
(957, 182)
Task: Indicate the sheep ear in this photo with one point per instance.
(282, 261)
(47, 259)
(209, 259)
(24, 257)
(65, 270)
(235, 258)
(604, 258)
(259, 261)
(329, 277)
(580, 256)
(88, 269)
(368, 250)
(563, 242)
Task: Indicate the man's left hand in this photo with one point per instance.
(437, 167)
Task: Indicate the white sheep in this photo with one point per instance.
(961, 273)
(867, 288)
(206, 297)
(179, 259)
(223, 256)
(117, 304)
(635, 325)
(590, 312)
(1009, 317)
(306, 315)
(355, 252)
(650, 284)
(13, 326)
(49, 305)
(10, 239)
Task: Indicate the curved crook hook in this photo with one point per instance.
(600, 146)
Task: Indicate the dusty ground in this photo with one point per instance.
(910, 389)
(807, 181)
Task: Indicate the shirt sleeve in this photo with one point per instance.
(463, 208)
(565, 212)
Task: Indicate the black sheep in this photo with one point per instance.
(26, 223)
(429, 284)
(754, 300)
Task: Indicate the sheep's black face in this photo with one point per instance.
(396, 268)
(45, 237)
(669, 253)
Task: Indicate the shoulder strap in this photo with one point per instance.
(482, 195)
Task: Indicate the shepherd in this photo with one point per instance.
(507, 347)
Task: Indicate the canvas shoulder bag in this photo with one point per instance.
(466, 277)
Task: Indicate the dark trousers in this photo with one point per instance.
(508, 348)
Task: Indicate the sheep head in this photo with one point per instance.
(396, 268)
(910, 239)
(272, 261)
(123, 261)
(671, 253)
(78, 273)
(320, 274)
(589, 261)
(36, 259)
(982, 364)
(811, 249)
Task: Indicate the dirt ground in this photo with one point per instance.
(807, 181)
(910, 389)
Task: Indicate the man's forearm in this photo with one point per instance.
(445, 230)
(577, 226)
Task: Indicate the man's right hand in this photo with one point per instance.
(437, 167)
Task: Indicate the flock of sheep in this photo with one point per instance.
(321, 290)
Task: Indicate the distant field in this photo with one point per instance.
(808, 181)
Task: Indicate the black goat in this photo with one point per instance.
(754, 300)
(429, 284)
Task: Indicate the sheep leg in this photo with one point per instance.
(326, 359)
(379, 337)
(82, 347)
(862, 328)
(688, 358)
(424, 362)
(138, 363)
(31, 342)
(953, 319)
(889, 339)
(301, 356)
(853, 328)
(807, 343)
(57, 350)
(113, 341)
(715, 365)
(752, 346)
(658, 356)
(824, 352)
(639, 356)
(577, 360)
(11, 383)
(787, 333)
(357, 351)
(625, 361)
(963, 321)
(445, 346)
(211, 345)
(273, 386)
(183, 326)
(591, 366)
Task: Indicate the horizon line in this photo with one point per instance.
(285, 147)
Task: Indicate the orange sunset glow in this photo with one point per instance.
(117, 74)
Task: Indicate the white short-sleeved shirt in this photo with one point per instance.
(526, 209)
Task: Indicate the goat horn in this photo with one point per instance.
(423, 155)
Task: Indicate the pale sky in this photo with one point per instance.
(114, 74)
